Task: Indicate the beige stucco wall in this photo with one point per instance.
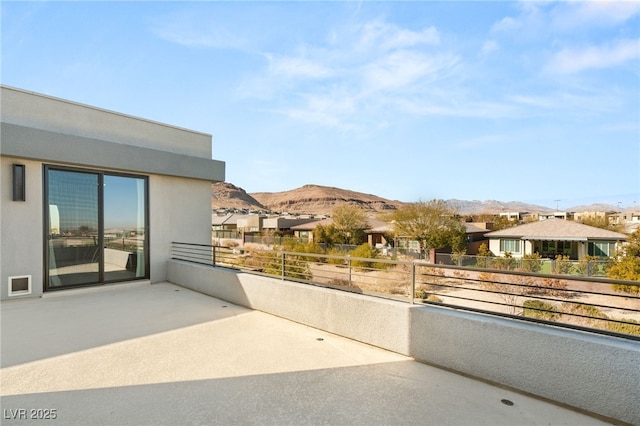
(21, 251)
(179, 210)
(59, 115)
(37, 129)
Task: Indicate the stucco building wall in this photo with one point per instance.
(38, 130)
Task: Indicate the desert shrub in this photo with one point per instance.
(531, 263)
(540, 310)
(335, 252)
(582, 309)
(270, 262)
(626, 268)
(627, 327)
(486, 277)
(297, 268)
(505, 263)
(562, 265)
(586, 315)
(365, 251)
(597, 319)
(482, 259)
(587, 266)
(627, 288)
(553, 287)
(424, 294)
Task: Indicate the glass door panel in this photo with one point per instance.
(73, 236)
(124, 228)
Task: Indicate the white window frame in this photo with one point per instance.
(512, 241)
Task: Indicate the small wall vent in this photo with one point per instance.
(19, 285)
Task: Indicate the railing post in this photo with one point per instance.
(282, 270)
(349, 262)
(213, 256)
(412, 294)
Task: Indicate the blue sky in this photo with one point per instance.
(528, 101)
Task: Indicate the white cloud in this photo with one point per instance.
(540, 19)
(297, 67)
(378, 35)
(401, 38)
(571, 15)
(195, 31)
(569, 61)
(489, 46)
(506, 24)
(404, 68)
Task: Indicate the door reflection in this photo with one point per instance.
(124, 227)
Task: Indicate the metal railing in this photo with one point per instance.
(587, 303)
(582, 268)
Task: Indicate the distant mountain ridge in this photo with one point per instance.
(317, 199)
(225, 195)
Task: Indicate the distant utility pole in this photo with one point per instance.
(557, 201)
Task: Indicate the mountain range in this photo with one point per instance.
(320, 200)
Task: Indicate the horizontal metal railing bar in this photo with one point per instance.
(402, 280)
(521, 295)
(545, 276)
(452, 296)
(604, 280)
(538, 321)
(532, 287)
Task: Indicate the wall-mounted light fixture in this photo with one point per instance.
(19, 191)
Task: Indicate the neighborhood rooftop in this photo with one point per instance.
(557, 229)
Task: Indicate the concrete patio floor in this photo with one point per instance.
(162, 354)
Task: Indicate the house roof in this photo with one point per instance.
(310, 226)
(557, 229)
(375, 225)
(228, 219)
(473, 229)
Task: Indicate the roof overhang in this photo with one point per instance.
(48, 146)
(555, 239)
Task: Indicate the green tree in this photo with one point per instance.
(626, 264)
(433, 224)
(499, 222)
(482, 259)
(326, 234)
(601, 222)
(349, 222)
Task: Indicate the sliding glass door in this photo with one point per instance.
(95, 226)
(74, 228)
(124, 227)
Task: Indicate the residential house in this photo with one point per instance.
(91, 196)
(557, 215)
(552, 237)
(476, 232)
(284, 224)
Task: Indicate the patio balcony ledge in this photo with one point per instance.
(165, 354)
(587, 371)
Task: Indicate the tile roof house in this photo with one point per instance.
(554, 237)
